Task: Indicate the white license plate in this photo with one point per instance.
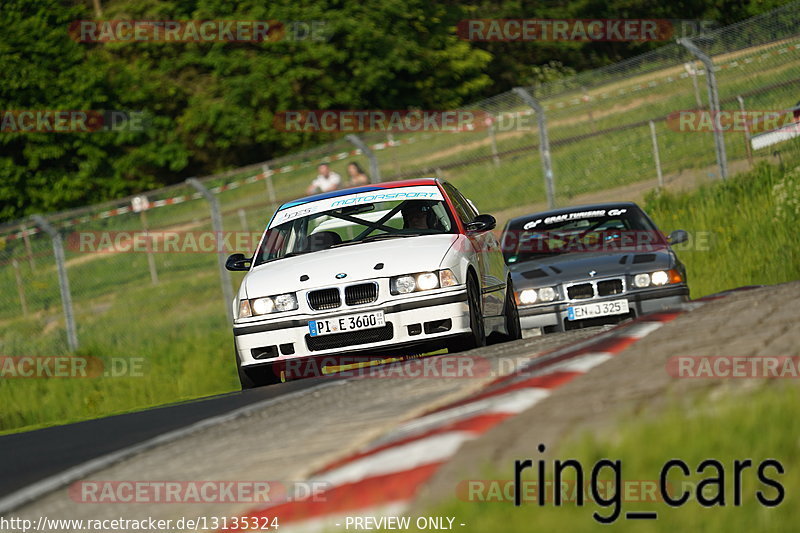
(342, 324)
(613, 307)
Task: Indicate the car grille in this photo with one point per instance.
(351, 338)
(361, 294)
(606, 287)
(324, 299)
(609, 287)
(580, 291)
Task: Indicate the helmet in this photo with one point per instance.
(412, 208)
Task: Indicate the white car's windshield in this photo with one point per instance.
(348, 220)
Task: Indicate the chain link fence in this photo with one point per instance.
(143, 272)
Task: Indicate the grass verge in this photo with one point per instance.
(732, 427)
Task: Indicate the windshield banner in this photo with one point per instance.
(423, 192)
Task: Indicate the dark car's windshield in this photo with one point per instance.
(351, 220)
(588, 230)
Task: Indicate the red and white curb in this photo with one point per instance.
(384, 477)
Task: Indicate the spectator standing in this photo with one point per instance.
(326, 181)
(357, 175)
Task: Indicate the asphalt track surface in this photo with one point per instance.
(34, 455)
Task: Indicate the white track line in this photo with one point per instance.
(433, 449)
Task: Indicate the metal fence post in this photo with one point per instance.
(216, 225)
(63, 280)
(374, 171)
(493, 140)
(23, 302)
(27, 240)
(747, 146)
(692, 71)
(713, 103)
(656, 155)
(270, 186)
(544, 144)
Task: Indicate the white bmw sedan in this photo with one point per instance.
(398, 268)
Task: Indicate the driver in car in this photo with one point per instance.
(418, 215)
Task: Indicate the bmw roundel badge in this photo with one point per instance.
(341, 275)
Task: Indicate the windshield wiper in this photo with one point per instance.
(388, 236)
(382, 236)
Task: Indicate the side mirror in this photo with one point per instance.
(482, 223)
(238, 263)
(678, 236)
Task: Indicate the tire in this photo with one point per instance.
(477, 337)
(511, 312)
(257, 376)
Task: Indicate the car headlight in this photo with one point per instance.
(659, 278)
(427, 281)
(528, 296)
(262, 306)
(285, 302)
(267, 305)
(531, 296)
(404, 284)
(547, 294)
(422, 281)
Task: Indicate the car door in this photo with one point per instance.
(490, 259)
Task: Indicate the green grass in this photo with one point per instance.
(178, 333)
(758, 425)
(739, 236)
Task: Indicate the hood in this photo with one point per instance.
(576, 266)
(358, 261)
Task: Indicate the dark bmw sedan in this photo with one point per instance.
(592, 265)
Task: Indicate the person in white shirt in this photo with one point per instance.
(326, 181)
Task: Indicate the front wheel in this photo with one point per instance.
(511, 312)
(477, 336)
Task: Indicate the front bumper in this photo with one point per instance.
(438, 315)
(553, 317)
